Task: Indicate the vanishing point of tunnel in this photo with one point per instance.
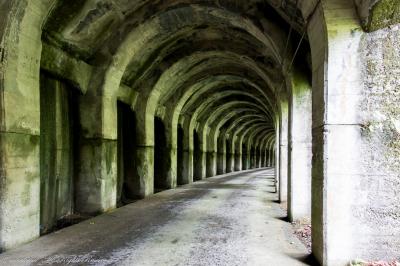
(200, 132)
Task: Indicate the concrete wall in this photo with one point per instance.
(346, 224)
(376, 206)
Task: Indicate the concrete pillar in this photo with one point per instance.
(259, 157)
(170, 161)
(253, 157)
(266, 155)
(145, 169)
(221, 167)
(20, 120)
(247, 156)
(187, 164)
(300, 152)
(238, 161)
(221, 156)
(230, 166)
(200, 166)
(237, 156)
(276, 159)
(170, 165)
(263, 157)
(211, 167)
(95, 189)
(244, 158)
(144, 150)
(270, 157)
(230, 163)
(283, 152)
(355, 188)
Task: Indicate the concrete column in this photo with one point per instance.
(200, 166)
(221, 156)
(270, 157)
(145, 169)
(262, 157)
(170, 161)
(188, 164)
(248, 159)
(355, 186)
(259, 158)
(300, 152)
(276, 159)
(211, 163)
(170, 165)
(95, 189)
(238, 161)
(283, 152)
(203, 165)
(266, 158)
(20, 121)
(249, 156)
(230, 163)
(221, 163)
(244, 159)
(253, 157)
(144, 150)
(187, 167)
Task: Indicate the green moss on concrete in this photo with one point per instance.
(62, 65)
(383, 14)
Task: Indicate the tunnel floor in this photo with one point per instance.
(230, 219)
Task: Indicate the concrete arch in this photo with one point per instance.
(135, 42)
(240, 142)
(203, 43)
(148, 105)
(204, 110)
(149, 100)
(251, 143)
(225, 153)
(236, 142)
(170, 163)
(203, 127)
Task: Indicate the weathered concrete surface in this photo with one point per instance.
(378, 191)
(226, 220)
(378, 14)
(300, 148)
(283, 152)
(355, 166)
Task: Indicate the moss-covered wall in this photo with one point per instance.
(378, 14)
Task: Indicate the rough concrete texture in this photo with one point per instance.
(378, 192)
(378, 14)
(226, 220)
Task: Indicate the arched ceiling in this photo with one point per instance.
(222, 62)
